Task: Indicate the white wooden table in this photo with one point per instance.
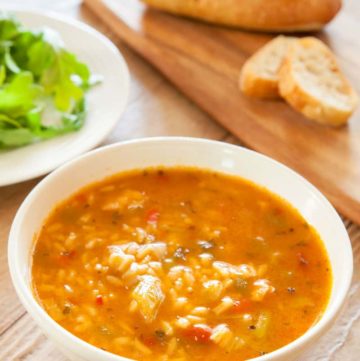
(155, 108)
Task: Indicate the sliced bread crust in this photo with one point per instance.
(259, 75)
(311, 81)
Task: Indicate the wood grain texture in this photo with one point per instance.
(10, 199)
(204, 62)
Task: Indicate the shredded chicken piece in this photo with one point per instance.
(149, 297)
(229, 270)
(262, 288)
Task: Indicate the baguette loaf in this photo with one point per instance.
(312, 83)
(259, 75)
(263, 15)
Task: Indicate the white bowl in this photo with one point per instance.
(170, 152)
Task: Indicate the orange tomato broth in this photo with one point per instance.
(231, 271)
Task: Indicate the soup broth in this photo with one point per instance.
(180, 264)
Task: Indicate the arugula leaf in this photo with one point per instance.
(67, 79)
(2, 74)
(34, 66)
(20, 46)
(35, 131)
(10, 63)
(18, 96)
(6, 121)
(16, 137)
(40, 56)
(9, 26)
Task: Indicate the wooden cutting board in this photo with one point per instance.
(204, 62)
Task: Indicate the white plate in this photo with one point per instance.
(106, 101)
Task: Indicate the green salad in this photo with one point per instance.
(38, 76)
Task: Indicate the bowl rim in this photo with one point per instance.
(82, 348)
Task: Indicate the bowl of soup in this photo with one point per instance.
(176, 249)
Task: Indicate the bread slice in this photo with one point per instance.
(259, 75)
(311, 81)
(260, 15)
